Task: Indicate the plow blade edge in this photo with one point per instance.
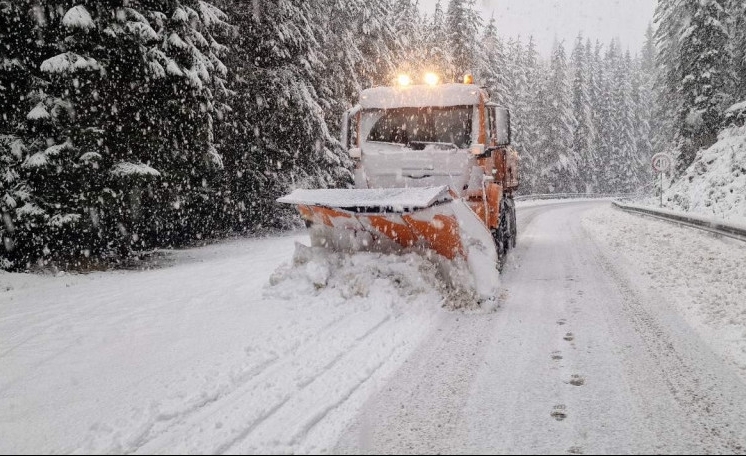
(391, 220)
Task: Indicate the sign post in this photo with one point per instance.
(661, 163)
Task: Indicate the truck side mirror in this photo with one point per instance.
(502, 126)
(348, 136)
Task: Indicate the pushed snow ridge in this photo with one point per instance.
(387, 278)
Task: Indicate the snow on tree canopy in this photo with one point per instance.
(737, 108)
(180, 16)
(142, 30)
(62, 220)
(69, 62)
(78, 17)
(16, 145)
(89, 156)
(156, 70)
(214, 157)
(28, 210)
(211, 15)
(40, 159)
(38, 113)
(126, 169)
(176, 41)
(173, 68)
(10, 64)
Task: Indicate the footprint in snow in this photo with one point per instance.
(558, 412)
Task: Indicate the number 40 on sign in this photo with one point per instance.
(662, 163)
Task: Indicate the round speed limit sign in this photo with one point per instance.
(662, 162)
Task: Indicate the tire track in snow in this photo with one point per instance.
(698, 391)
(162, 422)
(225, 421)
(305, 424)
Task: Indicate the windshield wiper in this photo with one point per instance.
(387, 142)
(421, 145)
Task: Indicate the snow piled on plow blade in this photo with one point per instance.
(378, 199)
(423, 220)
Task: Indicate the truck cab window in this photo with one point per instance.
(423, 125)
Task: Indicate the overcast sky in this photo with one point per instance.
(563, 19)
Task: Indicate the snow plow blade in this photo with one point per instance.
(390, 220)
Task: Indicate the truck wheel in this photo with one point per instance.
(501, 246)
(513, 224)
(501, 234)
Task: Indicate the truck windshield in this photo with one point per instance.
(417, 127)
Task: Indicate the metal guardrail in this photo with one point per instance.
(732, 230)
(550, 196)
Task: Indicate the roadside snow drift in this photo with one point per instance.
(715, 184)
(216, 353)
(702, 275)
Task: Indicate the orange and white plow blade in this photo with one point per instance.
(444, 226)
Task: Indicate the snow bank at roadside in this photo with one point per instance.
(702, 275)
(715, 184)
(231, 348)
(544, 202)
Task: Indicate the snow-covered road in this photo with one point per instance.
(615, 333)
(587, 354)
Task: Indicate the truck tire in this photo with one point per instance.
(513, 225)
(501, 234)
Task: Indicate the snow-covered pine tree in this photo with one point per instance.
(621, 162)
(438, 57)
(463, 23)
(594, 76)
(278, 136)
(407, 26)
(644, 98)
(583, 134)
(192, 93)
(515, 81)
(658, 136)
(604, 119)
(538, 117)
(668, 17)
(63, 162)
(638, 145)
(515, 86)
(491, 68)
(528, 82)
(374, 36)
(20, 44)
(706, 78)
(130, 96)
(336, 80)
(559, 161)
(737, 13)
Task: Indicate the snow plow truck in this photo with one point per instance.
(434, 172)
